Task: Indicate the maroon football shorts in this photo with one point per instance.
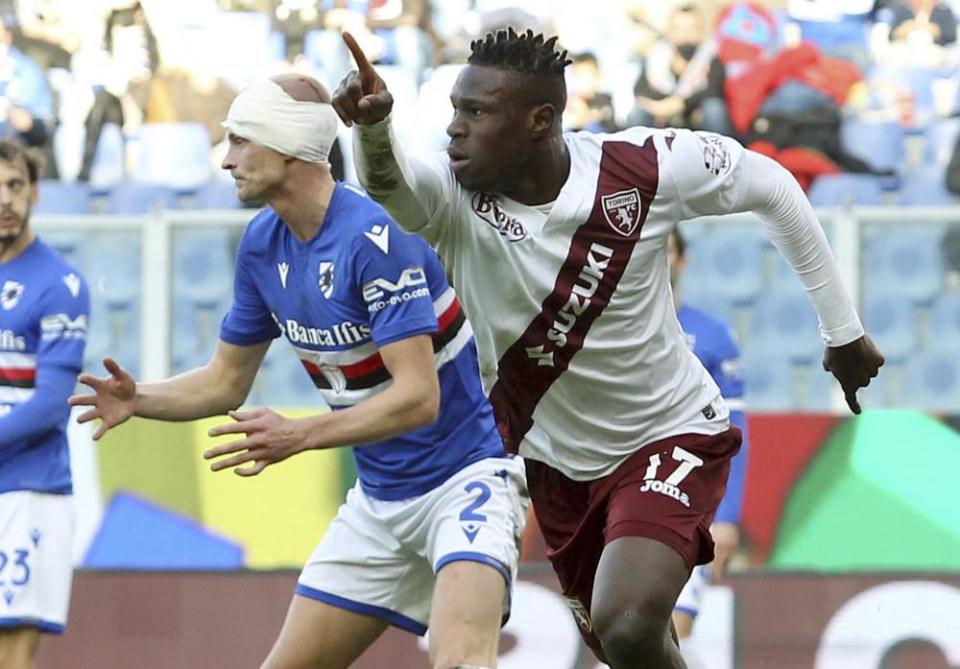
(667, 491)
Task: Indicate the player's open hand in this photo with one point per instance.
(853, 365)
(269, 438)
(362, 96)
(113, 400)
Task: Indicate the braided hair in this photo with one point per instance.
(523, 52)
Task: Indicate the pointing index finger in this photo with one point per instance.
(363, 65)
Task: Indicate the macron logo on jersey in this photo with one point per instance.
(284, 269)
(72, 282)
(380, 235)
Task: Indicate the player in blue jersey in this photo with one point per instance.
(429, 534)
(44, 306)
(713, 343)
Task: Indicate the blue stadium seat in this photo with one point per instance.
(905, 260)
(203, 266)
(109, 163)
(944, 324)
(69, 242)
(729, 261)
(62, 197)
(878, 143)
(132, 197)
(217, 194)
(770, 382)
(931, 381)
(819, 388)
(927, 187)
(111, 263)
(194, 334)
(784, 324)
(890, 321)
(833, 190)
(176, 155)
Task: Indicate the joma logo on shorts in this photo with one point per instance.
(666, 489)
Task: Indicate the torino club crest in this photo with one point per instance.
(622, 210)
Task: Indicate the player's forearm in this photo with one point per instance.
(792, 225)
(198, 393)
(386, 174)
(43, 412)
(398, 410)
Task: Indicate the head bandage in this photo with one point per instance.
(265, 114)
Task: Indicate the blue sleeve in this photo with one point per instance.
(249, 320)
(62, 338)
(44, 411)
(64, 316)
(394, 285)
(729, 377)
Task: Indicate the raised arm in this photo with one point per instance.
(216, 388)
(410, 189)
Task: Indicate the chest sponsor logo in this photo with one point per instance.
(487, 208)
(584, 288)
(410, 286)
(380, 235)
(9, 341)
(622, 210)
(326, 279)
(10, 294)
(283, 269)
(337, 334)
(62, 326)
(72, 282)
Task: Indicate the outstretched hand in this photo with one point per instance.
(362, 96)
(113, 399)
(269, 438)
(853, 365)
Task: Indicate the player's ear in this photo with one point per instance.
(541, 120)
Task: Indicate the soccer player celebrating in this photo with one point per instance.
(429, 533)
(713, 344)
(44, 307)
(557, 246)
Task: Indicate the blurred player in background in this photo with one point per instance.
(713, 344)
(44, 307)
(557, 245)
(429, 533)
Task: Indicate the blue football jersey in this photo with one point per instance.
(44, 308)
(712, 342)
(360, 284)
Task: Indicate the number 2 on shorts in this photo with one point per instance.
(470, 512)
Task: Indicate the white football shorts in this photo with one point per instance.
(36, 569)
(692, 594)
(380, 557)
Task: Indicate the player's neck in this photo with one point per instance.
(542, 179)
(10, 251)
(303, 203)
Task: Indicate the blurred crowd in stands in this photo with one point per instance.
(858, 95)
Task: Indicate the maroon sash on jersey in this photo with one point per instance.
(599, 252)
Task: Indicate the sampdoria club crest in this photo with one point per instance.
(326, 279)
(10, 294)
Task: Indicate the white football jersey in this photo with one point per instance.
(580, 349)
